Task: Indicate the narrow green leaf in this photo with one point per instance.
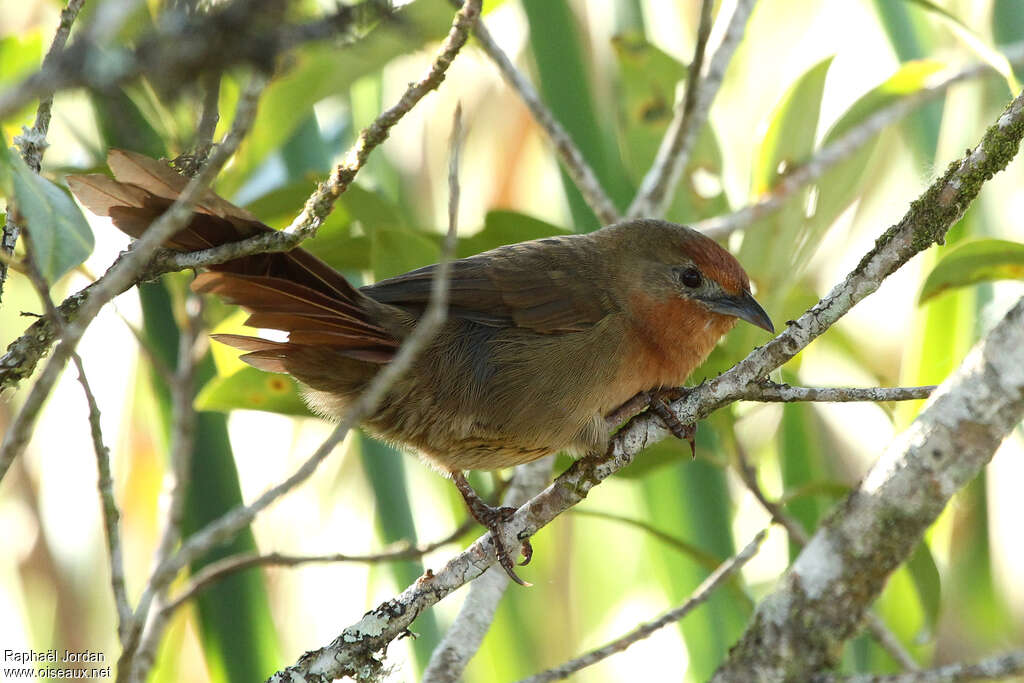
(252, 389)
(927, 582)
(61, 238)
(972, 40)
(122, 124)
(972, 262)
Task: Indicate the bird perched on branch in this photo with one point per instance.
(543, 339)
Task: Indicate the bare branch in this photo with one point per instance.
(33, 141)
(926, 222)
(111, 513)
(698, 597)
(770, 392)
(1000, 667)
(124, 273)
(215, 571)
(655, 193)
(572, 159)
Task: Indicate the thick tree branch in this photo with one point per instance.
(820, 602)
(1000, 667)
(927, 221)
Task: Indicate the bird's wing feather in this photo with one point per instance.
(533, 285)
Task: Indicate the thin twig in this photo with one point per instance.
(655, 193)
(111, 513)
(572, 159)
(699, 596)
(105, 482)
(33, 141)
(771, 392)
(123, 273)
(999, 667)
(216, 571)
(840, 150)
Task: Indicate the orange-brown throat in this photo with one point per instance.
(672, 337)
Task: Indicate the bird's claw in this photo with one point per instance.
(494, 519)
(657, 401)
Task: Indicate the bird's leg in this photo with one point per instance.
(494, 518)
(657, 401)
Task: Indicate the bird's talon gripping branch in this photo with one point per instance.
(493, 518)
(657, 401)
(527, 551)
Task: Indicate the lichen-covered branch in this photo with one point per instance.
(927, 221)
(820, 602)
(1001, 667)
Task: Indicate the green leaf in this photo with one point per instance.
(19, 54)
(843, 183)
(61, 239)
(972, 40)
(123, 125)
(323, 70)
(393, 252)
(506, 227)
(252, 389)
(648, 80)
(927, 583)
(972, 262)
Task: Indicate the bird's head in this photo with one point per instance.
(677, 262)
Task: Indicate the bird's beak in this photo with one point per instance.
(745, 307)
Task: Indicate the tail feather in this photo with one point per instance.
(291, 291)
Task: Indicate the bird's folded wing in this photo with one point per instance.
(533, 285)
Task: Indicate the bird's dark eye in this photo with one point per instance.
(690, 277)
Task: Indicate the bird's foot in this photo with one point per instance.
(494, 519)
(658, 402)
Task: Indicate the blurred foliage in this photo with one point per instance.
(645, 539)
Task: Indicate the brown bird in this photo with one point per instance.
(543, 339)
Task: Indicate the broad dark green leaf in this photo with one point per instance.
(252, 389)
(972, 262)
(393, 252)
(123, 125)
(61, 238)
(506, 227)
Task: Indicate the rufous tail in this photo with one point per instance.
(292, 291)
